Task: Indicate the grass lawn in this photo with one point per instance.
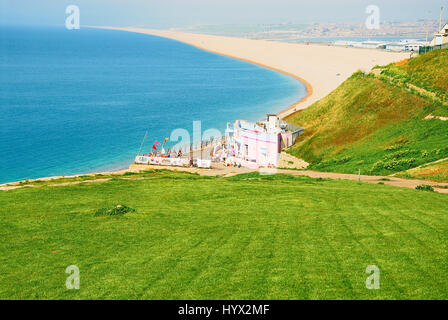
(245, 237)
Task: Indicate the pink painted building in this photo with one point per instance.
(260, 144)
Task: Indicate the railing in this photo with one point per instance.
(291, 127)
(186, 149)
(426, 49)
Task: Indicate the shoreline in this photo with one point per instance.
(320, 68)
(91, 174)
(281, 52)
(281, 114)
(308, 86)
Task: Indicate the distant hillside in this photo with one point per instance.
(375, 122)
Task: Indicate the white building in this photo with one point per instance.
(396, 46)
(364, 44)
(441, 37)
(372, 44)
(414, 46)
(405, 45)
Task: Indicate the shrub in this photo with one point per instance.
(117, 210)
(424, 187)
(344, 160)
(379, 165)
(393, 148)
(393, 165)
(129, 173)
(397, 155)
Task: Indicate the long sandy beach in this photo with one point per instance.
(322, 68)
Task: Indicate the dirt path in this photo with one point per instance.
(431, 163)
(392, 181)
(221, 170)
(430, 116)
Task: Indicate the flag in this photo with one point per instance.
(166, 139)
(154, 146)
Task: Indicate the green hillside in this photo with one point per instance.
(245, 237)
(374, 123)
(428, 71)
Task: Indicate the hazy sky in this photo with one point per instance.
(175, 13)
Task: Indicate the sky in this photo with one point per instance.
(180, 13)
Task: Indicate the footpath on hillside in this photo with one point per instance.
(224, 171)
(221, 170)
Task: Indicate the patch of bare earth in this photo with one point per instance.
(288, 161)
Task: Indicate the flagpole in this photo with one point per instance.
(143, 141)
(164, 141)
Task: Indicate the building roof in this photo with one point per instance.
(444, 30)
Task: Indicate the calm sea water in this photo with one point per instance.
(81, 101)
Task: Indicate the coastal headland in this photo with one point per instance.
(321, 68)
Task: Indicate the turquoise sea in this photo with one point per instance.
(80, 101)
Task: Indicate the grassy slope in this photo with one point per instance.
(246, 237)
(428, 71)
(370, 125)
(435, 172)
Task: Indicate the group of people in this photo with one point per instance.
(232, 164)
(169, 154)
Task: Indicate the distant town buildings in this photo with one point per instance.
(403, 45)
(293, 32)
(440, 39)
(349, 34)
